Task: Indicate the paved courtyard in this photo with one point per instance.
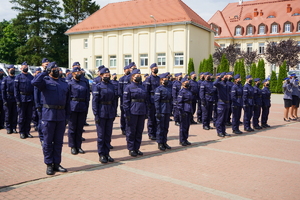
(263, 164)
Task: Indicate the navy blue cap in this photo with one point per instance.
(132, 64)
(164, 75)
(178, 74)
(52, 65)
(100, 67)
(201, 73)
(76, 63)
(256, 79)
(218, 74)
(67, 71)
(192, 73)
(45, 60)
(104, 70)
(127, 67)
(293, 74)
(24, 63)
(266, 80)
(136, 71)
(146, 75)
(11, 67)
(229, 73)
(114, 74)
(153, 65)
(38, 69)
(249, 76)
(76, 69)
(287, 78)
(206, 73)
(1, 70)
(223, 74)
(237, 76)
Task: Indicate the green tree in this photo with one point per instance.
(191, 67)
(253, 70)
(77, 10)
(37, 21)
(282, 74)
(201, 66)
(260, 71)
(236, 67)
(210, 64)
(224, 65)
(242, 71)
(273, 82)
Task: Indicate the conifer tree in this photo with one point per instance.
(191, 67)
(282, 74)
(273, 82)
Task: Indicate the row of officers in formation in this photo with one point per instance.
(56, 101)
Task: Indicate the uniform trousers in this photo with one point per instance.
(176, 112)
(256, 115)
(236, 116)
(122, 119)
(134, 131)
(162, 128)
(199, 111)
(25, 115)
(248, 112)
(152, 125)
(222, 111)
(11, 115)
(207, 113)
(76, 123)
(185, 123)
(104, 132)
(2, 115)
(265, 114)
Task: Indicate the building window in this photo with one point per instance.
(287, 28)
(298, 29)
(161, 59)
(86, 63)
(248, 18)
(144, 60)
(262, 29)
(112, 61)
(217, 31)
(249, 47)
(274, 28)
(238, 48)
(179, 59)
(98, 61)
(238, 31)
(222, 46)
(249, 30)
(261, 48)
(85, 43)
(127, 59)
(296, 14)
(271, 16)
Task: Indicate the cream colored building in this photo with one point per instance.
(167, 38)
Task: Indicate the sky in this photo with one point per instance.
(204, 8)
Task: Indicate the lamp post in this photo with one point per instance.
(154, 55)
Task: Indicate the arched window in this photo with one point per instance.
(275, 28)
(262, 29)
(271, 16)
(288, 27)
(247, 18)
(296, 14)
(250, 29)
(298, 26)
(238, 31)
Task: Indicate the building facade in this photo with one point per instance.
(167, 38)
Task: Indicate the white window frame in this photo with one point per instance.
(238, 31)
(144, 60)
(85, 43)
(238, 47)
(217, 31)
(112, 61)
(179, 59)
(298, 25)
(127, 59)
(250, 30)
(249, 47)
(98, 61)
(261, 48)
(86, 63)
(222, 46)
(274, 28)
(287, 28)
(262, 29)
(161, 59)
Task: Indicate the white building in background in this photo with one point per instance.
(167, 32)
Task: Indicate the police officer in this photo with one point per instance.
(25, 100)
(248, 93)
(115, 82)
(230, 84)
(80, 97)
(295, 98)
(206, 94)
(199, 110)
(135, 100)
(9, 101)
(35, 112)
(257, 99)
(162, 101)
(236, 103)
(223, 104)
(175, 90)
(152, 82)
(120, 93)
(287, 97)
(69, 76)
(215, 105)
(266, 104)
(104, 111)
(55, 113)
(2, 115)
(145, 77)
(68, 72)
(185, 98)
(195, 91)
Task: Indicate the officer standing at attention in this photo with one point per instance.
(68, 72)
(257, 99)
(152, 82)
(80, 97)
(230, 84)
(115, 82)
(104, 111)
(185, 98)
(69, 76)
(206, 94)
(9, 101)
(199, 110)
(98, 78)
(175, 90)
(215, 105)
(195, 91)
(248, 93)
(55, 113)
(237, 104)
(145, 77)
(25, 99)
(223, 104)
(35, 112)
(266, 104)
(287, 97)
(2, 115)
(135, 100)
(162, 101)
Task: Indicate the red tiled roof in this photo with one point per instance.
(136, 13)
(234, 15)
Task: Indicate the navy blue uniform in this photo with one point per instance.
(248, 93)
(257, 98)
(236, 105)
(2, 115)
(194, 88)
(25, 100)
(215, 106)
(80, 97)
(175, 90)
(185, 98)
(38, 106)
(120, 93)
(199, 110)
(55, 112)
(230, 84)
(9, 102)
(135, 100)
(104, 111)
(116, 85)
(223, 105)
(152, 82)
(162, 101)
(266, 104)
(206, 94)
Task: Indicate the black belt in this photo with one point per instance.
(239, 96)
(223, 101)
(259, 96)
(151, 93)
(187, 102)
(105, 102)
(78, 99)
(25, 93)
(10, 93)
(250, 97)
(165, 101)
(208, 94)
(137, 100)
(54, 107)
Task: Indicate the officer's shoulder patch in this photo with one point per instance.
(202, 86)
(125, 92)
(95, 92)
(16, 80)
(148, 83)
(233, 91)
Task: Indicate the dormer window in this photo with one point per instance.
(287, 28)
(271, 16)
(274, 29)
(262, 29)
(238, 31)
(250, 30)
(298, 27)
(247, 18)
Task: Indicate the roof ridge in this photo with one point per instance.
(226, 24)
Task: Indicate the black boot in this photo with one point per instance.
(59, 168)
(161, 147)
(49, 170)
